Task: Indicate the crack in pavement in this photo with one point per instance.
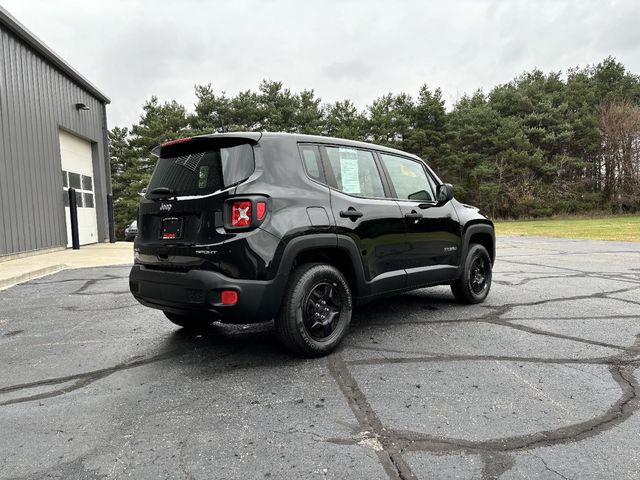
(496, 358)
(547, 467)
(494, 453)
(389, 456)
(618, 276)
(547, 333)
(565, 253)
(588, 317)
(604, 294)
(396, 442)
(89, 283)
(497, 311)
(494, 317)
(86, 378)
(75, 308)
(615, 414)
(80, 379)
(67, 280)
(524, 281)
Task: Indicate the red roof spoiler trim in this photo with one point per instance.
(253, 137)
(179, 140)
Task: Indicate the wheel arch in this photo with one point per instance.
(481, 233)
(487, 240)
(340, 252)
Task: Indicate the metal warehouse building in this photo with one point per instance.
(53, 135)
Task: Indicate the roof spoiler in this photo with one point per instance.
(173, 146)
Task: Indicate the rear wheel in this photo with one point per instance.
(475, 282)
(316, 310)
(190, 321)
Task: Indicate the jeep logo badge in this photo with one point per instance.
(165, 207)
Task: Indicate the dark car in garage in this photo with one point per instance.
(131, 231)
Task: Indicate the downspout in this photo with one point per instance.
(107, 175)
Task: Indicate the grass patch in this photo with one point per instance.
(621, 228)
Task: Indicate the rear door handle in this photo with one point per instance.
(413, 215)
(351, 213)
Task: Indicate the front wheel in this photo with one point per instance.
(475, 282)
(192, 321)
(316, 310)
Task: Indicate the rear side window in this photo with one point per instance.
(409, 178)
(312, 162)
(200, 173)
(355, 171)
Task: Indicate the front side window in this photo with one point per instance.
(355, 171)
(202, 172)
(408, 178)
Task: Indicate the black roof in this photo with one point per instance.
(298, 137)
(20, 31)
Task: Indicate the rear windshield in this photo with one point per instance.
(200, 173)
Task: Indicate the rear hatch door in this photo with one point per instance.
(180, 221)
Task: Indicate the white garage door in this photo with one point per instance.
(77, 172)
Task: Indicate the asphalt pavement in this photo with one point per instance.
(540, 381)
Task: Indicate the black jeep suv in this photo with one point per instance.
(249, 227)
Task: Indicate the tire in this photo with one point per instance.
(192, 321)
(316, 310)
(475, 282)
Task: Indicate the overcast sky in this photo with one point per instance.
(342, 49)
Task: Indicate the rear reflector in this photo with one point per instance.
(229, 297)
(241, 214)
(261, 210)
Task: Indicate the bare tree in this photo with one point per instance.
(620, 171)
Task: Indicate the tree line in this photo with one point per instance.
(542, 144)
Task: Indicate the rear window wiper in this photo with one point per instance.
(162, 191)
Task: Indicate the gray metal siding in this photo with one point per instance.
(36, 101)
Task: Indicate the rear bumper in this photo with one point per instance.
(199, 291)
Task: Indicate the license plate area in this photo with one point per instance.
(171, 228)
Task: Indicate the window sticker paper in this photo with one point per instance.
(349, 170)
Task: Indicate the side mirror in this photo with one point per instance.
(444, 193)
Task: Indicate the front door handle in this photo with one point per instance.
(351, 213)
(413, 215)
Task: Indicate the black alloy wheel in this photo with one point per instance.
(316, 310)
(474, 283)
(478, 274)
(321, 309)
